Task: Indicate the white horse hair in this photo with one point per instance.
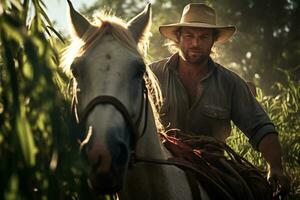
(107, 58)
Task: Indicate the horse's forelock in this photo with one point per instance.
(102, 24)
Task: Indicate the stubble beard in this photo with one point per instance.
(199, 58)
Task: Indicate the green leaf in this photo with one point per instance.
(43, 13)
(12, 190)
(57, 34)
(12, 29)
(1, 138)
(25, 136)
(3, 6)
(17, 4)
(28, 71)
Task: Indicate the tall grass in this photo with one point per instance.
(38, 151)
(283, 109)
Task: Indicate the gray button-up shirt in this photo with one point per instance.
(222, 96)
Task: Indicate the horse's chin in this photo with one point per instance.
(108, 183)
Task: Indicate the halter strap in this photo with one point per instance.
(108, 99)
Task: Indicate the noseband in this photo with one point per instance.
(134, 127)
(111, 100)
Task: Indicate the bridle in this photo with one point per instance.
(111, 100)
(134, 127)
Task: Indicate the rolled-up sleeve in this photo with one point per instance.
(263, 131)
(248, 115)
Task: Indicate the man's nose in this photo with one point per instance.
(195, 42)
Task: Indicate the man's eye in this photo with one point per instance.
(188, 36)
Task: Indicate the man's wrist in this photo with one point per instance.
(275, 167)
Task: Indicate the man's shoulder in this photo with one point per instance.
(159, 67)
(158, 63)
(235, 79)
(228, 74)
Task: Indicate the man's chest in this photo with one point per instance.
(192, 86)
(189, 95)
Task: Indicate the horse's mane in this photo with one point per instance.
(109, 23)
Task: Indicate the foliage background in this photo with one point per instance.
(38, 151)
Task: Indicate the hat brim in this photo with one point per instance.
(225, 32)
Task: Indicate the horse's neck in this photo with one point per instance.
(149, 145)
(154, 181)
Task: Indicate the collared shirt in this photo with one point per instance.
(222, 96)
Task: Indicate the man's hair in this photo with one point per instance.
(173, 46)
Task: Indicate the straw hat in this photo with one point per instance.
(198, 15)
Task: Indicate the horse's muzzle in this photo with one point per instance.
(108, 183)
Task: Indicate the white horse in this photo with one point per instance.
(113, 88)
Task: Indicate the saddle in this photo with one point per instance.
(218, 166)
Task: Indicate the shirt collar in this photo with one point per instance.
(172, 63)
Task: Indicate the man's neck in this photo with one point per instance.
(190, 69)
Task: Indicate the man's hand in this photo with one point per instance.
(271, 150)
(280, 183)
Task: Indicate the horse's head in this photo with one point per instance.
(108, 69)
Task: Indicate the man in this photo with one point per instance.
(202, 97)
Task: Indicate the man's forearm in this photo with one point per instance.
(271, 150)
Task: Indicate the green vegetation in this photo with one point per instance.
(38, 150)
(35, 139)
(283, 108)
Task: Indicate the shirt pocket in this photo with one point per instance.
(215, 111)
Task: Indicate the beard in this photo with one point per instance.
(195, 55)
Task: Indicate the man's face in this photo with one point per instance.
(195, 44)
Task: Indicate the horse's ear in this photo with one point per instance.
(140, 24)
(79, 23)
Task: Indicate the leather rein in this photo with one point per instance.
(134, 127)
(107, 99)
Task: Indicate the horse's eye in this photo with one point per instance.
(140, 72)
(77, 66)
(140, 69)
(75, 70)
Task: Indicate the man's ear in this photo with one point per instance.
(178, 34)
(215, 35)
